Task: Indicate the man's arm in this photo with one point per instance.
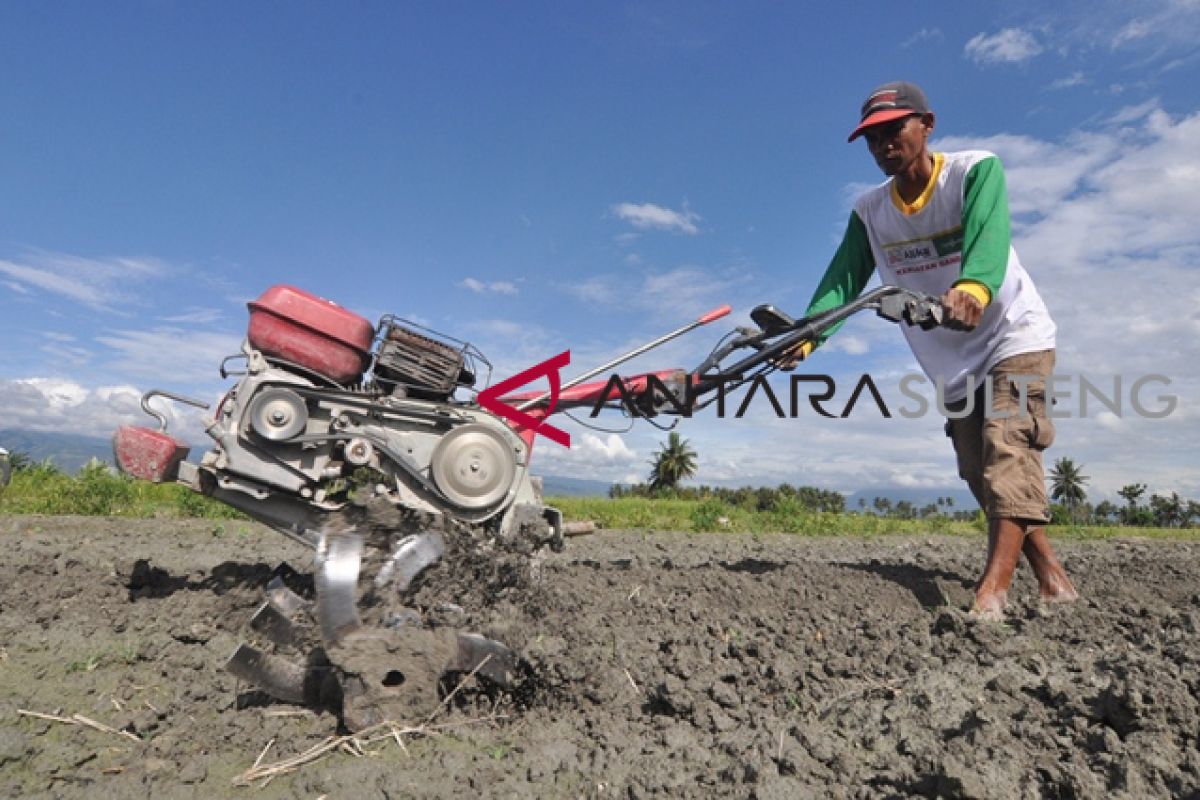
(847, 273)
(986, 241)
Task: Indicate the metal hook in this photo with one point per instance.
(158, 415)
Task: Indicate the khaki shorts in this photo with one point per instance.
(1000, 454)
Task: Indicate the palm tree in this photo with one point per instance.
(1131, 493)
(674, 462)
(1066, 484)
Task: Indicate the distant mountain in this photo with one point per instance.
(555, 486)
(67, 451)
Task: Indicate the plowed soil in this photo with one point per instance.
(663, 664)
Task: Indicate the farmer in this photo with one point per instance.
(940, 225)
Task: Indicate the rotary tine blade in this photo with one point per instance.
(278, 677)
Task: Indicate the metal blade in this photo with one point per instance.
(493, 660)
(339, 560)
(412, 556)
(276, 676)
(284, 599)
(276, 626)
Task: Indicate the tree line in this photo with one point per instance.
(675, 461)
(1068, 485)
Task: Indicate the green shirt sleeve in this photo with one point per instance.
(986, 233)
(846, 275)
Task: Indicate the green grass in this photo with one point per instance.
(97, 492)
(639, 513)
(43, 489)
(716, 515)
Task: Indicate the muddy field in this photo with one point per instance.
(664, 665)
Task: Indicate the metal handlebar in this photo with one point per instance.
(783, 334)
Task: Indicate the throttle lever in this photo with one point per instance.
(923, 311)
(932, 314)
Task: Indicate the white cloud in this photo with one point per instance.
(1136, 29)
(67, 355)
(57, 336)
(849, 344)
(922, 36)
(1162, 25)
(100, 283)
(589, 457)
(1011, 45)
(54, 404)
(1041, 174)
(59, 394)
(610, 449)
(649, 216)
(675, 294)
(510, 346)
(596, 289)
(169, 356)
(1076, 78)
(197, 316)
(1152, 31)
(1135, 113)
(494, 287)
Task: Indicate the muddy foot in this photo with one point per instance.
(989, 607)
(1065, 594)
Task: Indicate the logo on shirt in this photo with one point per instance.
(910, 253)
(920, 255)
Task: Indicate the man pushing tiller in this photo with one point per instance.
(940, 225)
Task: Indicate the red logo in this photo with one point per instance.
(490, 400)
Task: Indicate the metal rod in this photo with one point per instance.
(158, 415)
(716, 313)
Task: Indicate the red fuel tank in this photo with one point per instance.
(148, 454)
(297, 326)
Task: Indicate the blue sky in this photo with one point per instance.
(541, 176)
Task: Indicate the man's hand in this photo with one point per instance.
(790, 358)
(963, 310)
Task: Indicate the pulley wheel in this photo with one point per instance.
(278, 414)
(473, 466)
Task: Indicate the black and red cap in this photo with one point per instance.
(891, 101)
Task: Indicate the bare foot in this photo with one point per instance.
(1053, 584)
(1055, 592)
(989, 606)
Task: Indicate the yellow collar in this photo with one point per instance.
(926, 193)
